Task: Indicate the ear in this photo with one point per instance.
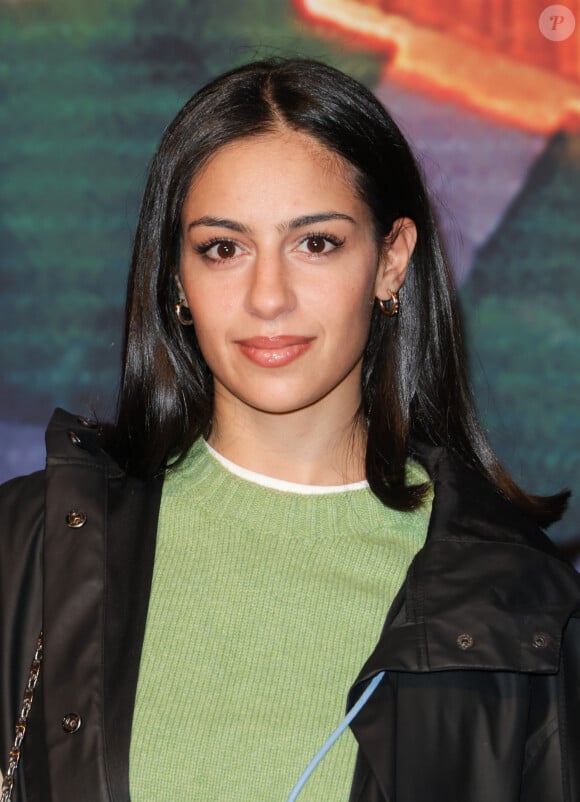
(394, 259)
(180, 289)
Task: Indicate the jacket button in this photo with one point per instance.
(75, 519)
(71, 723)
(540, 640)
(464, 641)
(74, 438)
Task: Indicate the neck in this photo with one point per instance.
(307, 446)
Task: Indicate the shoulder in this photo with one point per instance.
(483, 551)
(487, 573)
(468, 506)
(21, 516)
(16, 491)
(70, 440)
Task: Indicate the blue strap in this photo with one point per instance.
(324, 749)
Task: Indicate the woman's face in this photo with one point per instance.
(280, 267)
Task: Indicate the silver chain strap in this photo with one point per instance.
(20, 728)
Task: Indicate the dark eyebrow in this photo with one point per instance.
(312, 219)
(219, 222)
(296, 222)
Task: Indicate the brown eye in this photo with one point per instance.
(316, 244)
(225, 250)
(219, 250)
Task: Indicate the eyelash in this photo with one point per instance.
(206, 246)
(337, 242)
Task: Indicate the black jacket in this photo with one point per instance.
(481, 702)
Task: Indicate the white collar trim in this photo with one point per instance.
(282, 484)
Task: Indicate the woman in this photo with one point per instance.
(296, 458)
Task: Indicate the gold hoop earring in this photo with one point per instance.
(389, 306)
(183, 313)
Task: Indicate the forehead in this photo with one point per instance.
(273, 174)
(273, 163)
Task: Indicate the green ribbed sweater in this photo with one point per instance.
(264, 605)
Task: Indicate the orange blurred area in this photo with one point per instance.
(504, 67)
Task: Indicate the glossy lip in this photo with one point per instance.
(274, 352)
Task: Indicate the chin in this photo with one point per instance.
(280, 402)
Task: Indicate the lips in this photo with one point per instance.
(272, 352)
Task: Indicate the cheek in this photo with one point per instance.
(352, 302)
(209, 304)
(212, 321)
(205, 321)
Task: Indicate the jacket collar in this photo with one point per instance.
(488, 590)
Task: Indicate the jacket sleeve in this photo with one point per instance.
(552, 769)
(570, 705)
(21, 525)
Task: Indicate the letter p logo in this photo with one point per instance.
(557, 23)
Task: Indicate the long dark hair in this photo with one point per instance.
(414, 376)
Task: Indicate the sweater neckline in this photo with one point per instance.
(221, 494)
(282, 484)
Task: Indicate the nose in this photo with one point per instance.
(270, 293)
